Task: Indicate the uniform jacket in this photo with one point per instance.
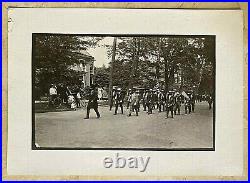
(93, 100)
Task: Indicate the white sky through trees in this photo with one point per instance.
(100, 52)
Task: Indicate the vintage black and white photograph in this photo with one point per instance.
(136, 92)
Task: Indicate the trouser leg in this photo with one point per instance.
(121, 106)
(88, 110)
(136, 110)
(172, 112)
(149, 109)
(97, 112)
(116, 108)
(111, 105)
(167, 111)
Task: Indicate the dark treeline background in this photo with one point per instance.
(146, 62)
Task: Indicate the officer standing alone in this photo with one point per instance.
(92, 103)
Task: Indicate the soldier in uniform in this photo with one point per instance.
(92, 103)
(129, 98)
(170, 105)
(187, 105)
(161, 101)
(149, 101)
(135, 102)
(118, 98)
(144, 100)
(112, 97)
(192, 100)
(177, 104)
(154, 102)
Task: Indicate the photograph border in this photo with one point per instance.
(125, 148)
(181, 5)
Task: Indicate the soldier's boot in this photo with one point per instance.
(172, 114)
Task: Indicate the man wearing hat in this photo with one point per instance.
(161, 99)
(144, 99)
(129, 99)
(92, 103)
(192, 100)
(170, 105)
(177, 103)
(150, 101)
(187, 105)
(118, 97)
(135, 102)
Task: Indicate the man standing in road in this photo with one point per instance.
(92, 103)
(149, 101)
(134, 103)
(187, 105)
(170, 105)
(192, 100)
(118, 97)
(177, 104)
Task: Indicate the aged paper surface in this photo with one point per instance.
(155, 172)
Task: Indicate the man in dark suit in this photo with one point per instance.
(149, 101)
(92, 103)
(170, 105)
(177, 107)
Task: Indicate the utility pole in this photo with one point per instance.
(166, 75)
(110, 94)
(158, 61)
(130, 85)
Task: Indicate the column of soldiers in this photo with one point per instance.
(151, 100)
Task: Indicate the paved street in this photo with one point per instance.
(69, 129)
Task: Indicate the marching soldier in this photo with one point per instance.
(161, 101)
(144, 99)
(177, 104)
(149, 101)
(134, 106)
(192, 100)
(129, 98)
(170, 105)
(187, 105)
(112, 97)
(118, 98)
(92, 103)
(155, 99)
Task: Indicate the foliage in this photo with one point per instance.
(151, 61)
(53, 56)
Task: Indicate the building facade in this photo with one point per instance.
(85, 68)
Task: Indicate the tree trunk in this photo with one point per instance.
(158, 61)
(110, 94)
(166, 75)
(135, 62)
